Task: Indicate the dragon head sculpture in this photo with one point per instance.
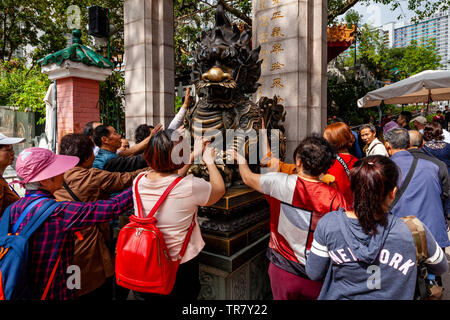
(225, 67)
(225, 72)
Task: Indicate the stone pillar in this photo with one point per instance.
(293, 39)
(77, 96)
(149, 63)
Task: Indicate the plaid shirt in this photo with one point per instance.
(53, 237)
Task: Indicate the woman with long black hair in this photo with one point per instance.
(368, 253)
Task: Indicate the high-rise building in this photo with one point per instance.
(400, 34)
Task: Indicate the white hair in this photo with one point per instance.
(32, 186)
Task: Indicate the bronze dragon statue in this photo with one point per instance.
(225, 72)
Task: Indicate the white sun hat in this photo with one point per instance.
(10, 140)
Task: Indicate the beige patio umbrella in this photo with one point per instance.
(424, 87)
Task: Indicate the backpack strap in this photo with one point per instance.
(405, 184)
(158, 203)
(342, 162)
(186, 240)
(39, 218)
(156, 207)
(24, 214)
(4, 222)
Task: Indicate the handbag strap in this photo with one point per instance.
(405, 183)
(158, 203)
(72, 194)
(342, 162)
(370, 150)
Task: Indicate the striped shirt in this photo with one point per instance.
(54, 237)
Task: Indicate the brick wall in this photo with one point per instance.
(77, 104)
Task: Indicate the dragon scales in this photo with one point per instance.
(225, 72)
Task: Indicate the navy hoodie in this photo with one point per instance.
(356, 265)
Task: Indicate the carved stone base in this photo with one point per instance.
(243, 276)
(230, 245)
(241, 218)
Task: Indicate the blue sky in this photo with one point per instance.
(379, 14)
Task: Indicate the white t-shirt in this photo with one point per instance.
(175, 213)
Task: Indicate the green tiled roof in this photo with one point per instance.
(77, 52)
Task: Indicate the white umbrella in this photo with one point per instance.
(424, 87)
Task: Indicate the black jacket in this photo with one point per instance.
(126, 164)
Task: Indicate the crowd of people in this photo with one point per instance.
(337, 211)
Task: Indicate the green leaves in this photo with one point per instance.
(23, 87)
(421, 8)
(194, 16)
(418, 58)
(393, 64)
(383, 64)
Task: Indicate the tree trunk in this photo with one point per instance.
(345, 7)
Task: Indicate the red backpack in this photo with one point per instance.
(143, 262)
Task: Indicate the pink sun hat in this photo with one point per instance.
(37, 164)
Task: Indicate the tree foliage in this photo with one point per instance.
(194, 16)
(376, 65)
(43, 25)
(23, 87)
(343, 93)
(421, 8)
(393, 64)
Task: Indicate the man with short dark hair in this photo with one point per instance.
(404, 118)
(421, 197)
(142, 131)
(90, 127)
(109, 141)
(373, 146)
